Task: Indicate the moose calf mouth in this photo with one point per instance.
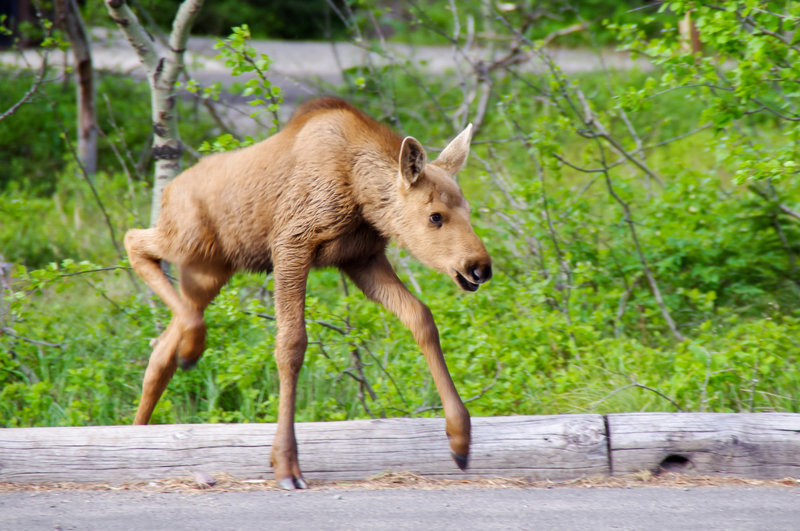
(465, 284)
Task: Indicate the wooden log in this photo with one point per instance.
(754, 445)
(535, 447)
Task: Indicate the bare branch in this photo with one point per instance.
(69, 18)
(141, 41)
(40, 79)
(636, 384)
(587, 170)
(363, 383)
(590, 119)
(783, 208)
(645, 266)
(10, 332)
(86, 177)
(162, 69)
(479, 395)
(623, 303)
(315, 321)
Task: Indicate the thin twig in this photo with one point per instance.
(640, 386)
(315, 321)
(88, 180)
(645, 266)
(10, 332)
(40, 79)
(623, 302)
(97, 270)
(785, 209)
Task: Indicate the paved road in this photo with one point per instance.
(302, 68)
(312, 59)
(651, 508)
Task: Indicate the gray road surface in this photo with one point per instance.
(316, 59)
(650, 508)
(303, 68)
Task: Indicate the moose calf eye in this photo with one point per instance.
(436, 219)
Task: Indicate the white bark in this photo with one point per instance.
(163, 68)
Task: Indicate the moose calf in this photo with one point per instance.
(330, 189)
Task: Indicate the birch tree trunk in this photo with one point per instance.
(163, 68)
(69, 18)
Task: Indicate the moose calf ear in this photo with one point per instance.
(412, 161)
(454, 156)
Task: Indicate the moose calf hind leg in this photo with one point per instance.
(199, 285)
(159, 372)
(192, 343)
(290, 350)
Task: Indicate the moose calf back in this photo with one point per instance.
(299, 184)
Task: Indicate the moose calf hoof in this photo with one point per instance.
(292, 484)
(462, 461)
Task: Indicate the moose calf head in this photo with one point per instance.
(436, 215)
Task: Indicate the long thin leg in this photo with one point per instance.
(185, 334)
(200, 283)
(144, 253)
(378, 281)
(291, 273)
(159, 372)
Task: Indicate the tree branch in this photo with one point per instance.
(31, 91)
(162, 69)
(141, 41)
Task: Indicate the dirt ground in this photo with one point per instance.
(224, 483)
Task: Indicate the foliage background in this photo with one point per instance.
(643, 226)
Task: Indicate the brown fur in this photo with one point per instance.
(329, 190)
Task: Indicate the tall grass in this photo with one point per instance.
(75, 340)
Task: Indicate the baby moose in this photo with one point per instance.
(330, 189)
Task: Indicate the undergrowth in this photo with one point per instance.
(667, 280)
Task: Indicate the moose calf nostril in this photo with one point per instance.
(481, 274)
(476, 274)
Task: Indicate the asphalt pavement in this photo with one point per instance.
(646, 508)
(303, 69)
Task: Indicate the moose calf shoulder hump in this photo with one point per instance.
(330, 189)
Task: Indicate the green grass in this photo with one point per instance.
(79, 340)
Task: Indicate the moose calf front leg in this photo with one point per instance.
(379, 282)
(419, 319)
(290, 348)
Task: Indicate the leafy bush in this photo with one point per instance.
(644, 244)
(31, 144)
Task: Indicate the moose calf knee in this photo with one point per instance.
(422, 324)
(132, 242)
(290, 348)
(141, 249)
(193, 341)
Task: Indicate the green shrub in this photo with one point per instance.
(580, 235)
